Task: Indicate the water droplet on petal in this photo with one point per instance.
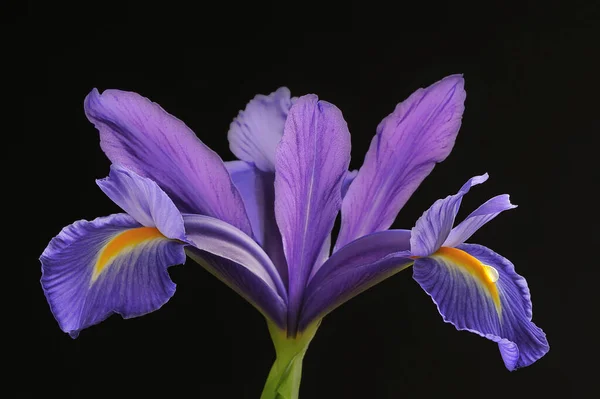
(491, 273)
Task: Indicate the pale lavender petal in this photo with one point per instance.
(143, 200)
(224, 240)
(246, 178)
(499, 311)
(141, 136)
(258, 192)
(409, 142)
(256, 131)
(243, 281)
(311, 164)
(478, 218)
(434, 226)
(353, 269)
(109, 265)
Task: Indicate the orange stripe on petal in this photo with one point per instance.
(485, 275)
(121, 243)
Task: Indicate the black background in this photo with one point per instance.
(531, 122)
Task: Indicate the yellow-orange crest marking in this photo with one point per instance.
(122, 242)
(484, 274)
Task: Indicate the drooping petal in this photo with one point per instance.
(409, 142)
(312, 162)
(353, 269)
(256, 131)
(480, 216)
(141, 136)
(109, 265)
(258, 192)
(224, 240)
(143, 200)
(434, 226)
(477, 290)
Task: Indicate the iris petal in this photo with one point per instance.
(409, 142)
(467, 297)
(434, 226)
(480, 216)
(109, 265)
(142, 199)
(353, 269)
(258, 192)
(256, 131)
(224, 240)
(312, 163)
(141, 136)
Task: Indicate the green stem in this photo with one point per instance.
(283, 381)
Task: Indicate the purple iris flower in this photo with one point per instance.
(262, 224)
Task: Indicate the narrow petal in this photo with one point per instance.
(409, 142)
(478, 218)
(256, 131)
(143, 200)
(109, 265)
(477, 290)
(258, 192)
(141, 136)
(224, 240)
(354, 268)
(312, 162)
(434, 226)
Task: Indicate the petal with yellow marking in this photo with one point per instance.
(109, 265)
(477, 290)
(121, 244)
(483, 275)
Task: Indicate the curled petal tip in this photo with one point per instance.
(510, 204)
(92, 96)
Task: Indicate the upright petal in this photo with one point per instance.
(143, 200)
(312, 162)
(109, 265)
(139, 135)
(480, 216)
(256, 131)
(246, 178)
(434, 226)
(409, 142)
(479, 291)
(354, 268)
(258, 192)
